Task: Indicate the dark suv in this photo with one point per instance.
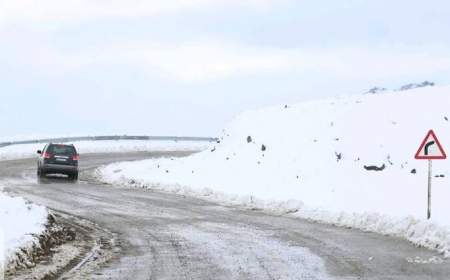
(58, 159)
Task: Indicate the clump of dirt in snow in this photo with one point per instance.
(338, 156)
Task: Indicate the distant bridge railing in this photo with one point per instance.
(109, 138)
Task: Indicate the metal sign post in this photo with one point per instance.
(430, 176)
(430, 149)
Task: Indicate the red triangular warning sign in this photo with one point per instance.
(431, 148)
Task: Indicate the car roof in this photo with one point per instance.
(61, 144)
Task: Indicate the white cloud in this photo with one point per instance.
(210, 61)
(58, 11)
(203, 61)
(196, 62)
(358, 63)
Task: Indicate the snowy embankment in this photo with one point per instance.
(311, 160)
(21, 222)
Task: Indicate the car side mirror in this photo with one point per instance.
(39, 152)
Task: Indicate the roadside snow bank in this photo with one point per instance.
(21, 222)
(85, 147)
(318, 153)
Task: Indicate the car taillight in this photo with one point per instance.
(47, 155)
(76, 157)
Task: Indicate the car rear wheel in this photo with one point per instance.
(40, 173)
(73, 177)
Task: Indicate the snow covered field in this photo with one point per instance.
(84, 147)
(310, 160)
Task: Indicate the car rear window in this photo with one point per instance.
(61, 150)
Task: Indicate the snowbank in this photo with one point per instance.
(20, 223)
(310, 158)
(84, 147)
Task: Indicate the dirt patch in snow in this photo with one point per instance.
(69, 248)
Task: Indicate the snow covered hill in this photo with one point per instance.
(311, 159)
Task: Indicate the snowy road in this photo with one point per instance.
(166, 236)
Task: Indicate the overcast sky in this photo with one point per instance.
(186, 67)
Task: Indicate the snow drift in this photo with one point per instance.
(348, 161)
(21, 223)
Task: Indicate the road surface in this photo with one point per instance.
(167, 236)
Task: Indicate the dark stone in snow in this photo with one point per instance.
(338, 156)
(374, 167)
(414, 171)
(416, 85)
(440, 176)
(249, 139)
(263, 148)
(445, 118)
(285, 106)
(375, 90)
(213, 149)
